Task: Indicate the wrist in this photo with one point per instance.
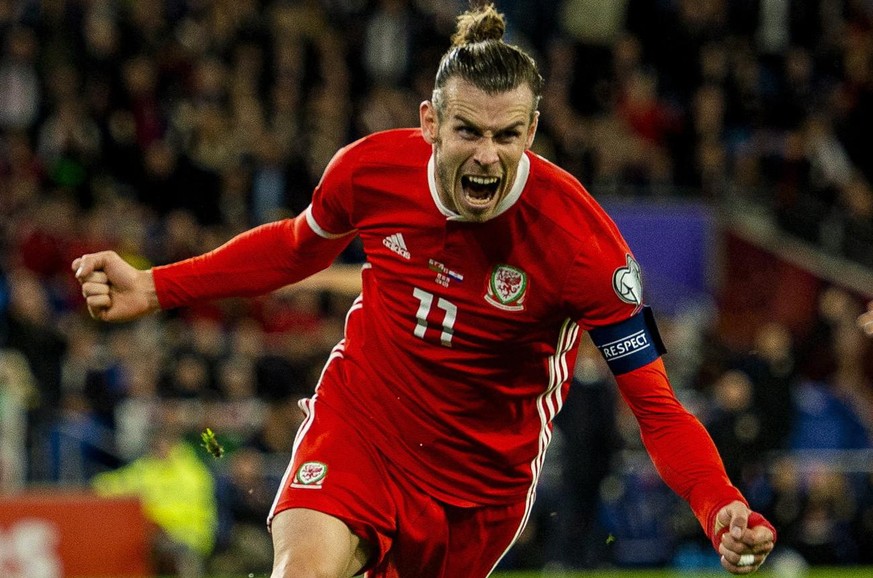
(148, 289)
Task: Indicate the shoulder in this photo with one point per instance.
(595, 254)
(391, 147)
(364, 176)
(559, 197)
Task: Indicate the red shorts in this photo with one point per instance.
(337, 471)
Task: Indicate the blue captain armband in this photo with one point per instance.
(630, 344)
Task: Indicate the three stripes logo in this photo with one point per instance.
(396, 243)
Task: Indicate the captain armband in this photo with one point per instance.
(630, 344)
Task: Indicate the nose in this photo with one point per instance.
(486, 152)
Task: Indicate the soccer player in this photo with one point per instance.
(425, 436)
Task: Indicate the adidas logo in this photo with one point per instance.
(396, 243)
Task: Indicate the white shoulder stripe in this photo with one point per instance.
(310, 220)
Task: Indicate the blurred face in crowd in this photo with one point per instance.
(478, 139)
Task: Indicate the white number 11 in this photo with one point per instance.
(426, 303)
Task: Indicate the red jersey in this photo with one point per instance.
(459, 351)
(458, 354)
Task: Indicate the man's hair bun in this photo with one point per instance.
(479, 25)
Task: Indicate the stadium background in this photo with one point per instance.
(728, 139)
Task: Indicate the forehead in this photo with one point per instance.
(463, 100)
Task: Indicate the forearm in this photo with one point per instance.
(253, 263)
(680, 447)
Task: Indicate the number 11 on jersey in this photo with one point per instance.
(450, 313)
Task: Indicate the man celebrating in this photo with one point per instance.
(425, 437)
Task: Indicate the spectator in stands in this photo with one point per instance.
(591, 442)
(17, 392)
(20, 93)
(30, 329)
(735, 424)
(178, 494)
(772, 368)
(863, 525)
(824, 527)
(853, 221)
(245, 491)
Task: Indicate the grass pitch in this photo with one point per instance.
(815, 572)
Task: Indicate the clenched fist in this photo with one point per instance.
(113, 289)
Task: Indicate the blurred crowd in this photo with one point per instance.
(162, 128)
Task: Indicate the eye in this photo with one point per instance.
(467, 132)
(507, 137)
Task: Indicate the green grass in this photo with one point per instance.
(814, 572)
(811, 573)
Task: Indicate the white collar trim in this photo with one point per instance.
(521, 177)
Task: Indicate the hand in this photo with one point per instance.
(113, 289)
(865, 320)
(743, 538)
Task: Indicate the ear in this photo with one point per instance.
(427, 116)
(532, 130)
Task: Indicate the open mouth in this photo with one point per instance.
(479, 190)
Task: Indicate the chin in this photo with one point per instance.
(478, 216)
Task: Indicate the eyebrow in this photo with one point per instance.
(514, 126)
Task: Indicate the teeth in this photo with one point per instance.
(485, 181)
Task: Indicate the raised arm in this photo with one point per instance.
(253, 263)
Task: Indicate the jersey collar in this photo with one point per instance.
(521, 176)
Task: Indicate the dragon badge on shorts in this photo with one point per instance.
(310, 476)
(627, 282)
(507, 288)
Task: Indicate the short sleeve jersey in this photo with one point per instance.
(459, 351)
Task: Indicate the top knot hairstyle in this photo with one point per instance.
(480, 56)
(479, 26)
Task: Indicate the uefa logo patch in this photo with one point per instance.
(507, 288)
(627, 282)
(310, 475)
